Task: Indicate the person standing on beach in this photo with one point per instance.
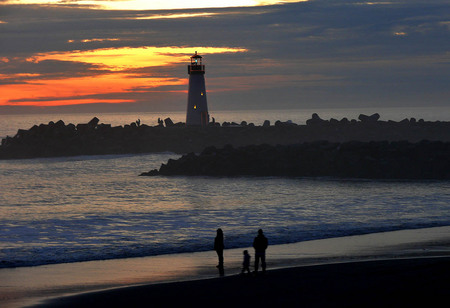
(246, 263)
(219, 246)
(260, 244)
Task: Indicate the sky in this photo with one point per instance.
(118, 56)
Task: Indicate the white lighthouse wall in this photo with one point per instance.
(196, 100)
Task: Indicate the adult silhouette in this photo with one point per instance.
(218, 247)
(260, 244)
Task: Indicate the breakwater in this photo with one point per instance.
(372, 160)
(94, 138)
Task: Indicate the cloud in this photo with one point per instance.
(315, 53)
(152, 5)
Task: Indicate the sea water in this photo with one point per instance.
(68, 209)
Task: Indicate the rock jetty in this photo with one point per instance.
(95, 138)
(371, 160)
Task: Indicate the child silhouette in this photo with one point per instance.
(246, 263)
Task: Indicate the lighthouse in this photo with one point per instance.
(197, 107)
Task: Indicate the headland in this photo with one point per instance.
(354, 159)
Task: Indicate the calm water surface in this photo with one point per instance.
(97, 207)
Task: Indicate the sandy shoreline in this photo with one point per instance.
(413, 282)
(29, 286)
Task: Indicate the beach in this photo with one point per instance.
(388, 283)
(336, 272)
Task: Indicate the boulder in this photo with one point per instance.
(60, 124)
(365, 118)
(284, 124)
(334, 121)
(315, 119)
(168, 122)
(82, 127)
(103, 126)
(93, 123)
(21, 133)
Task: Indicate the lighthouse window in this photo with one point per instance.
(201, 94)
(195, 106)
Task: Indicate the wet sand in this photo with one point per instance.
(394, 283)
(370, 265)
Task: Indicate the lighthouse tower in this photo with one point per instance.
(197, 107)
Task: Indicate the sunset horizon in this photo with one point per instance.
(260, 54)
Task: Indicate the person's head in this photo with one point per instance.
(260, 232)
(219, 232)
(245, 252)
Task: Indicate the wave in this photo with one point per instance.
(56, 254)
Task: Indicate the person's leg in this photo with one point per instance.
(256, 261)
(263, 262)
(220, 265)
(220, 255)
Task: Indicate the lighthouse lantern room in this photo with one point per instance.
(197, 107)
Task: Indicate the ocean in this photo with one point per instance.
(70, 209)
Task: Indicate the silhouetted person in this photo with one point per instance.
(218, 247)
(260, 244)
(246, 263)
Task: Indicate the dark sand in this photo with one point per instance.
(415, 282)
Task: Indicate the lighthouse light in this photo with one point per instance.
(197, 111)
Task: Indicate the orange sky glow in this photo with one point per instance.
(156, 5)
(70, 91)
(116, 75)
